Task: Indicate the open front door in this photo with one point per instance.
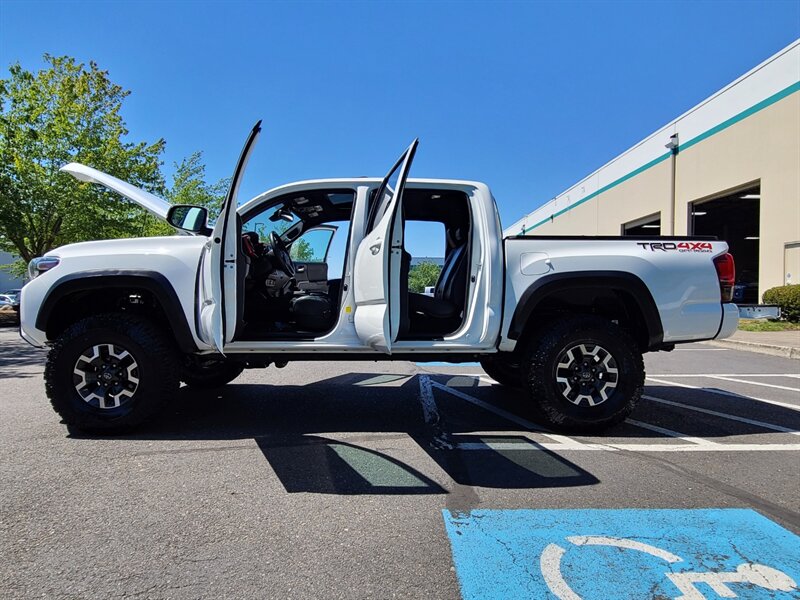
(378, 261)
(225, 250)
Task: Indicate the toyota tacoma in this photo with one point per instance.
(565, 319)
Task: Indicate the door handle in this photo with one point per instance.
(301, 269)
(375, 248)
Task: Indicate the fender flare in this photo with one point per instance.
(577, 280)
(151, 281)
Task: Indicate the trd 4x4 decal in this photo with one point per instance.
(676, 246)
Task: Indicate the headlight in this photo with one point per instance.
(39, 265)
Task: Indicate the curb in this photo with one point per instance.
(783, 351)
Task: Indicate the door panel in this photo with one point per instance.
(309, 253)
(377, 263)
(312, 276)
(224, 258)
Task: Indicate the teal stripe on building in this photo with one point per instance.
(788, 91)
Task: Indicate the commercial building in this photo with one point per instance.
(729, 167)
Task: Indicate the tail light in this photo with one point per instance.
(726, 273)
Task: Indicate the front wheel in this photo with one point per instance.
(110, 372)
(585, 374)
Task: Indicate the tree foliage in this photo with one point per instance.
(189, 185)
(70, 112)
(301, 250)
(422, 275)
(67, 112)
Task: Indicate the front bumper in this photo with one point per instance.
(730, 320)
(30, 299)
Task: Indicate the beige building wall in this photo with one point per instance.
(762, 148)
(645, 194)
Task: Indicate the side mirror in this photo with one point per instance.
(188, 218)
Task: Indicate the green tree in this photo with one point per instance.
(67, 112)
(422, 275)
(189, 185)
(301, 250)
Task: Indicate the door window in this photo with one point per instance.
(312, 246)
(391, 186)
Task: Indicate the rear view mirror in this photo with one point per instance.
(282, 213)
(188, 218)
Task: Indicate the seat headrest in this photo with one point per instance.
(455, 237)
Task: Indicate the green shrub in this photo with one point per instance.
(423, 275)
(788, 298)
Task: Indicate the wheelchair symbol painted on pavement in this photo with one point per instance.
(754, 574)
(623, 554)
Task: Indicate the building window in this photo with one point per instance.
(647, 226)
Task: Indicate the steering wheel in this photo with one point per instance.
(281, 254)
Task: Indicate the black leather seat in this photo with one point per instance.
(447, 301)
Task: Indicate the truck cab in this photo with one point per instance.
(276, 303)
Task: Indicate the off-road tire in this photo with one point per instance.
(541, 364)
(503, 370)
(210, 376)
(156, 362)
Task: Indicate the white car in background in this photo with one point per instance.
(9, 307)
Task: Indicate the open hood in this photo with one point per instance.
(152, 204)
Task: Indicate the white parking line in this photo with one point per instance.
(565, 444)
(671, 433)
(701, 350)
(430, 413)
(769, 385)
(792, 375)
(703, 448)
(534, 446)
(723, 392)
(715, 413)
(429, 409)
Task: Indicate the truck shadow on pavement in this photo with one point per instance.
(309, 463)
(343, 435)
(16, 355)
(289, 424)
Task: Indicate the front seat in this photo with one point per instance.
(448, 297)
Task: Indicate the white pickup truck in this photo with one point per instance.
(566, 319)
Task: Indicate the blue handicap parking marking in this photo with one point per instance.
(695, 554)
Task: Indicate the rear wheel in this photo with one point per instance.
(503, 370)
(584, 374)
(110, 372)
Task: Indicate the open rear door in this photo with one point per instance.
(378, 260)
(225, 246)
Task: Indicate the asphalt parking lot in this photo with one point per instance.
(382, 480)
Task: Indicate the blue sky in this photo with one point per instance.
(528, 97)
